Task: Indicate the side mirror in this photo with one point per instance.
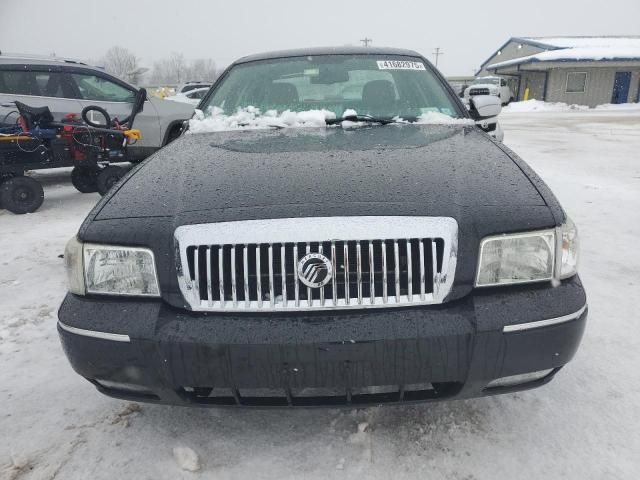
(484, 106)
(142, 93)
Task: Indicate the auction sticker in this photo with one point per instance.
(400, 65)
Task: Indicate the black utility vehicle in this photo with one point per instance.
(388, 256)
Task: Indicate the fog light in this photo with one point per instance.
(519, 379)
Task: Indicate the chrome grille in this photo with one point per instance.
(479, 91)
(367, 272)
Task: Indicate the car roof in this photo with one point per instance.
(196, 90)
(305, 52)
(8, 59)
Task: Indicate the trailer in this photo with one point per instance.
(37, 142)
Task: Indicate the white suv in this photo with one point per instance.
(67, 86)
(489, 86)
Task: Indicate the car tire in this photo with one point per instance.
(21, 195)
(174, 133)
(108, 177)
(85, 179)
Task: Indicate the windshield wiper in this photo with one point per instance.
(360, 118)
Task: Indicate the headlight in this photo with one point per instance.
(523, 257)
(110, 270)
(528, 257)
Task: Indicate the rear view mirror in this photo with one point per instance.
(484, 106)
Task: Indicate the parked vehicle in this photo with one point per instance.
(192, 96)
(490, 86)
(67, 86)
(189, 86)
(396, 254)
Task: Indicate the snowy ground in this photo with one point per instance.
(584, 425)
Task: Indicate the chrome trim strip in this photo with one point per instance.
(295, 274)
(409, 270)
(258, 277)
(221, 275)
(234, 294)
(114, 337)
(283, 274)
(384, 272)
(322, 288)
(434, 266)
(544, 323)
(196, 271)
(245, 272)
(272, 299)
(334, 280)
(396, 270)
(347, 292)
(422, 270)
(315, 229)
(209, 290)
(359, 271)
(309, 292)
(372, 286)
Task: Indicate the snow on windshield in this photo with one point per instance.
(438, 118)
(251, 118)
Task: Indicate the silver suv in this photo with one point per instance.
(67, 86)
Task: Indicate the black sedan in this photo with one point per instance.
(335, 228)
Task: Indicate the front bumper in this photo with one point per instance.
(149, 351)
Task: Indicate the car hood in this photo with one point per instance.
(172, 108)
(377, 170)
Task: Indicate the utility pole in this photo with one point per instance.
(437, 53)
(366, 41)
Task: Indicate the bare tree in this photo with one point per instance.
(202, 69)
(121, 62)
(176, 69)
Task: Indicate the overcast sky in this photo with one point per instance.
(466, 31)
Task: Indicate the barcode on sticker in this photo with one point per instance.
(400, 65)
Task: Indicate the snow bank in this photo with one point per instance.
(540, 106)
(251, 118)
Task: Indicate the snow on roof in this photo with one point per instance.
(576, 42)
(565, 49)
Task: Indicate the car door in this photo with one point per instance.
(36, 86)
(116, 97)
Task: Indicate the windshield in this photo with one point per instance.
(381, 86)
(486, 81)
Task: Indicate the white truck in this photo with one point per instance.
(489, 86)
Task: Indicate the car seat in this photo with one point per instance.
(379, 98)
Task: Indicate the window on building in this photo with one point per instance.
(576, 82)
